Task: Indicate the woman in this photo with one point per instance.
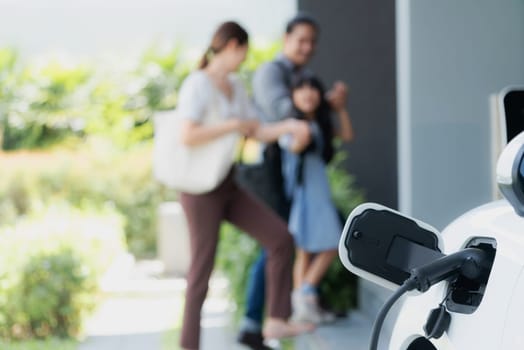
(313, 219)
(214, 83)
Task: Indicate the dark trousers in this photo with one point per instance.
(204, 214)
(256, 289)
(255, 296)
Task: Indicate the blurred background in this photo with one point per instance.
(82, 222)
(127, 27)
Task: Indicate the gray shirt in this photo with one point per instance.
(272, 88)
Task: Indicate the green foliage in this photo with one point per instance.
(42, 108)
(39, 344)
(7, 59)
(236, 254)
(338, 287)
(47, 102)
(54, 82)
(162, 73)
(344, 191)
(50, 264)
(51, 283)
(97, 177)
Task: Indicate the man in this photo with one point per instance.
(272, 94)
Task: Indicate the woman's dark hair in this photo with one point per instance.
(225, 32)
(322, 115)
(301, 18)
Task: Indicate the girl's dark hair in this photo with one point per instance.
(225, 32)
(322, 115)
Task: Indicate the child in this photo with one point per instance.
(313, 220)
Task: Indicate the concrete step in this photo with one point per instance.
(141, 305)
(347, 333)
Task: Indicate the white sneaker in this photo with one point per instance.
(328, 316)
(306, 309)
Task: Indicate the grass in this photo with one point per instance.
(171, 338)
(48, 344)
(288, 344)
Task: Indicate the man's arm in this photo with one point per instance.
(271, 93)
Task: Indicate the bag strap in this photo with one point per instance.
(284, 71)
(212, 109)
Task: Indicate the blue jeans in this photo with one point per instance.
(256, 289)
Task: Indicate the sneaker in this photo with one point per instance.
(327, 316)
(279, 329)
(253, 340)
(306, 309)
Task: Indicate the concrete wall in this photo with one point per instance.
(429, 66)
(451, 56)
(357, 45)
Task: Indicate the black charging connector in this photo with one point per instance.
(469, 262)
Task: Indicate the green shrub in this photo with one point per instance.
(8, 60)
(50, 102)
(338, 287)
(236, 254)
(50, 265)
(96, 177)
(42, 107)
(40, 344)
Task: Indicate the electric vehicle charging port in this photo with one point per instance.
(465, 295)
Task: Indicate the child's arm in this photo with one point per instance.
(337, 98)
(345, 129)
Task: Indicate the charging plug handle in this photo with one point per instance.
(468, 262)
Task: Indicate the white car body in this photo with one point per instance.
(486, 311)
(497, 322)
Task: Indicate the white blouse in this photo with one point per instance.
(197, 94)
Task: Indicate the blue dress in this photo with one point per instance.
(313, 219)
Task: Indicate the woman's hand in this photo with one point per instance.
(298, 130)
(246, 127)
(300, 133)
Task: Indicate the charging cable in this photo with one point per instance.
(469, 262)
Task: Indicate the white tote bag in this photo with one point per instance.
(191, 169)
